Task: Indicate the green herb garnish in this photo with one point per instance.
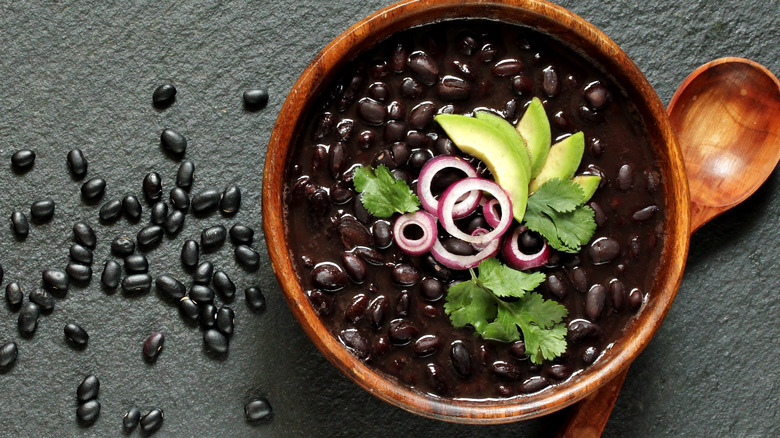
(383, 194)
(499, 305)
(556, 211)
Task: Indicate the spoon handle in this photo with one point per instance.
(588, 417)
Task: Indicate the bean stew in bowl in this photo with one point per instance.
(476, 210)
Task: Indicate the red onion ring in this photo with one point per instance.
(434, 166)
(415, 246)
(478, 232)
(461, 262)
(517, 259)
(490, 213)
(458, 189)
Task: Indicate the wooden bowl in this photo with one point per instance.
(569, 28)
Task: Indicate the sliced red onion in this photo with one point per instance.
(517, 259)
(478, 232)
(458, 189)
(419, 246)
(429, 202)
(456, 261)
(492, 215)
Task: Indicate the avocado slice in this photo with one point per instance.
(484, 142)
(562, 161)
(534, 127)
(510, 133)
(589, 185)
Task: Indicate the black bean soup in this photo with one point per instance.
(385, 306)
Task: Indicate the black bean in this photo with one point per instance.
(14, 295)
(28, 318)
(54, 279)
(517, 349)
(345, 127)
(604, 250)
(329, 276)
(340, 193)
(451, 89)
(42, 298)
(617, 293)
(80, 253)
(321, 302)
(136, 264)
(180, 200)
(131, 418)
(78, 272)
(205, 201)
(20, 224)
(370, 255)
(201, 293)
(88, 389)
(432, 289)
(556, 286)
(560, 371)
(401, 331)
(635, 246)
(421, 116)
(76, 334)
(506, 370)
(625, 177)
(579, 279)
(88, 411)
(254, 298)
(534, 384)
(42, 211)
(152, 420)
(600, 217)
(111, 210)
(163, 95)
(355, 268)
(258, 410)
(644, 214)
(184, 175)
(112, 273)
(122, 247)
(590, 355)
(189, 308)
(595, 301)
(357, 308)
(225, 320)
(93, 189)
(507, 67)
(398, 58)
(173, 141)
(550, 83)
(203, 273)
(597, 96)
(152, 346)
(255, 99)
(170, 287)
(215, 341)
(436, 378)
(582, 329)
(424, 67)
(426, 345)
(159, 213)
(487, 53)
(131, 207)
(241, 234)
(231, 198)
(247, 257)
(371, 111)
(137, 283)
(339, 160)
(356, 343)
(23, 159)
(149, 235)
(190, 253)
(224, 285)
(635, 298)
(8, 354)
(174, 221)
(461, 359)
(377, 311)
(77, 163)
(410, 88)
(152, 187)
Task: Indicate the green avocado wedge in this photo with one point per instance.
(534, 127)
(589, 185)
(562, 161)
(510, 133)
(486, 143)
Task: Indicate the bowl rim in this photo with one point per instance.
(562, 23)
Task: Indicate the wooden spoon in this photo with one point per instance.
(727, 118)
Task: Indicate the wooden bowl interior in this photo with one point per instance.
(568, 28)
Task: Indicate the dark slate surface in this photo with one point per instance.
(81, 74)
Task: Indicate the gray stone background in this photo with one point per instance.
(81, 74)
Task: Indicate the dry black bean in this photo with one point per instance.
(329, 276)
(604, 250)
(241, 234)
(131, 418)
(122, 246)
(582, 329)
(190, 253)
(152, 420)
(215, 341)
(356, 343)
(163, 95)
(401, 331)
(170, 287)
(461, 359)
(258, 410)
(426, 345)
(617, 293)
(255, 299)
(8, 354)
(80, 253)
(152, 187)
(78, 272)
(88, 411)
(625, 177)
(111, 210)
(20, 224)
(203, 273)
(550, 83)
(54, 279)
(84, 234)
(112, 273)
(42, 211)
(189, 309)
(451, 89)
(137, 283)
(136, 264)
(152, 346)
(231, 197)
(93, 189)
(77, 163)
(76, 334)
(506, 370)
(88, 389)
(42, 298)
(14, 295)
(184, 175)
(224, 285)
(424, 67)
(225, 320)
(205, 201)
(255, 99)
(201, 294)
(173, 141)
(23, 159)
(149, 235)
(28, 318)
(595, 301)
(180, 200)
(174, 222)
(131, 207)
(247, 257)
(635, 298)
(159, 213)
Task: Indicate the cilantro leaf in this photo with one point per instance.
(525, 315)
(555, 212)
(383, 194)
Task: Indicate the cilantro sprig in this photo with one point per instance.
(499, 305)
(556, 211)
(383, 194)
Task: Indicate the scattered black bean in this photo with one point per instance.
(78, 272)
(152, 421)
(203, 273)
(14, 295)
(173, 141)
(241, 234)
(152, 187)
(174, 221)
(88, 389)
(255, 99)
(20, 224)
(224, 285)
(111, 210)
(225, 320)
(137, 283)
(231, 199)
(131, 207)
(254, 298)
(112, 273)
(76, 334)
(215, 341)
(190, 253)
(122, 246)
(163, 95)
(77, 163)
(42, 211)
(247, 257)
(136, 264)
(201, 293)
(213, 237)
(88, 412)
(8, 354)
(180, 200)
(152, 346)
(185, 174)
(42, 298)
(80, 253)
(54, 279)
(93, 189)
(208, 313)
(28, 318)
(131, 418)
(23, 159)
(189, 308)
(159, 213)
(84, 234)
(205, 201)
(258, 410)
(170, 287)
(149, 235)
